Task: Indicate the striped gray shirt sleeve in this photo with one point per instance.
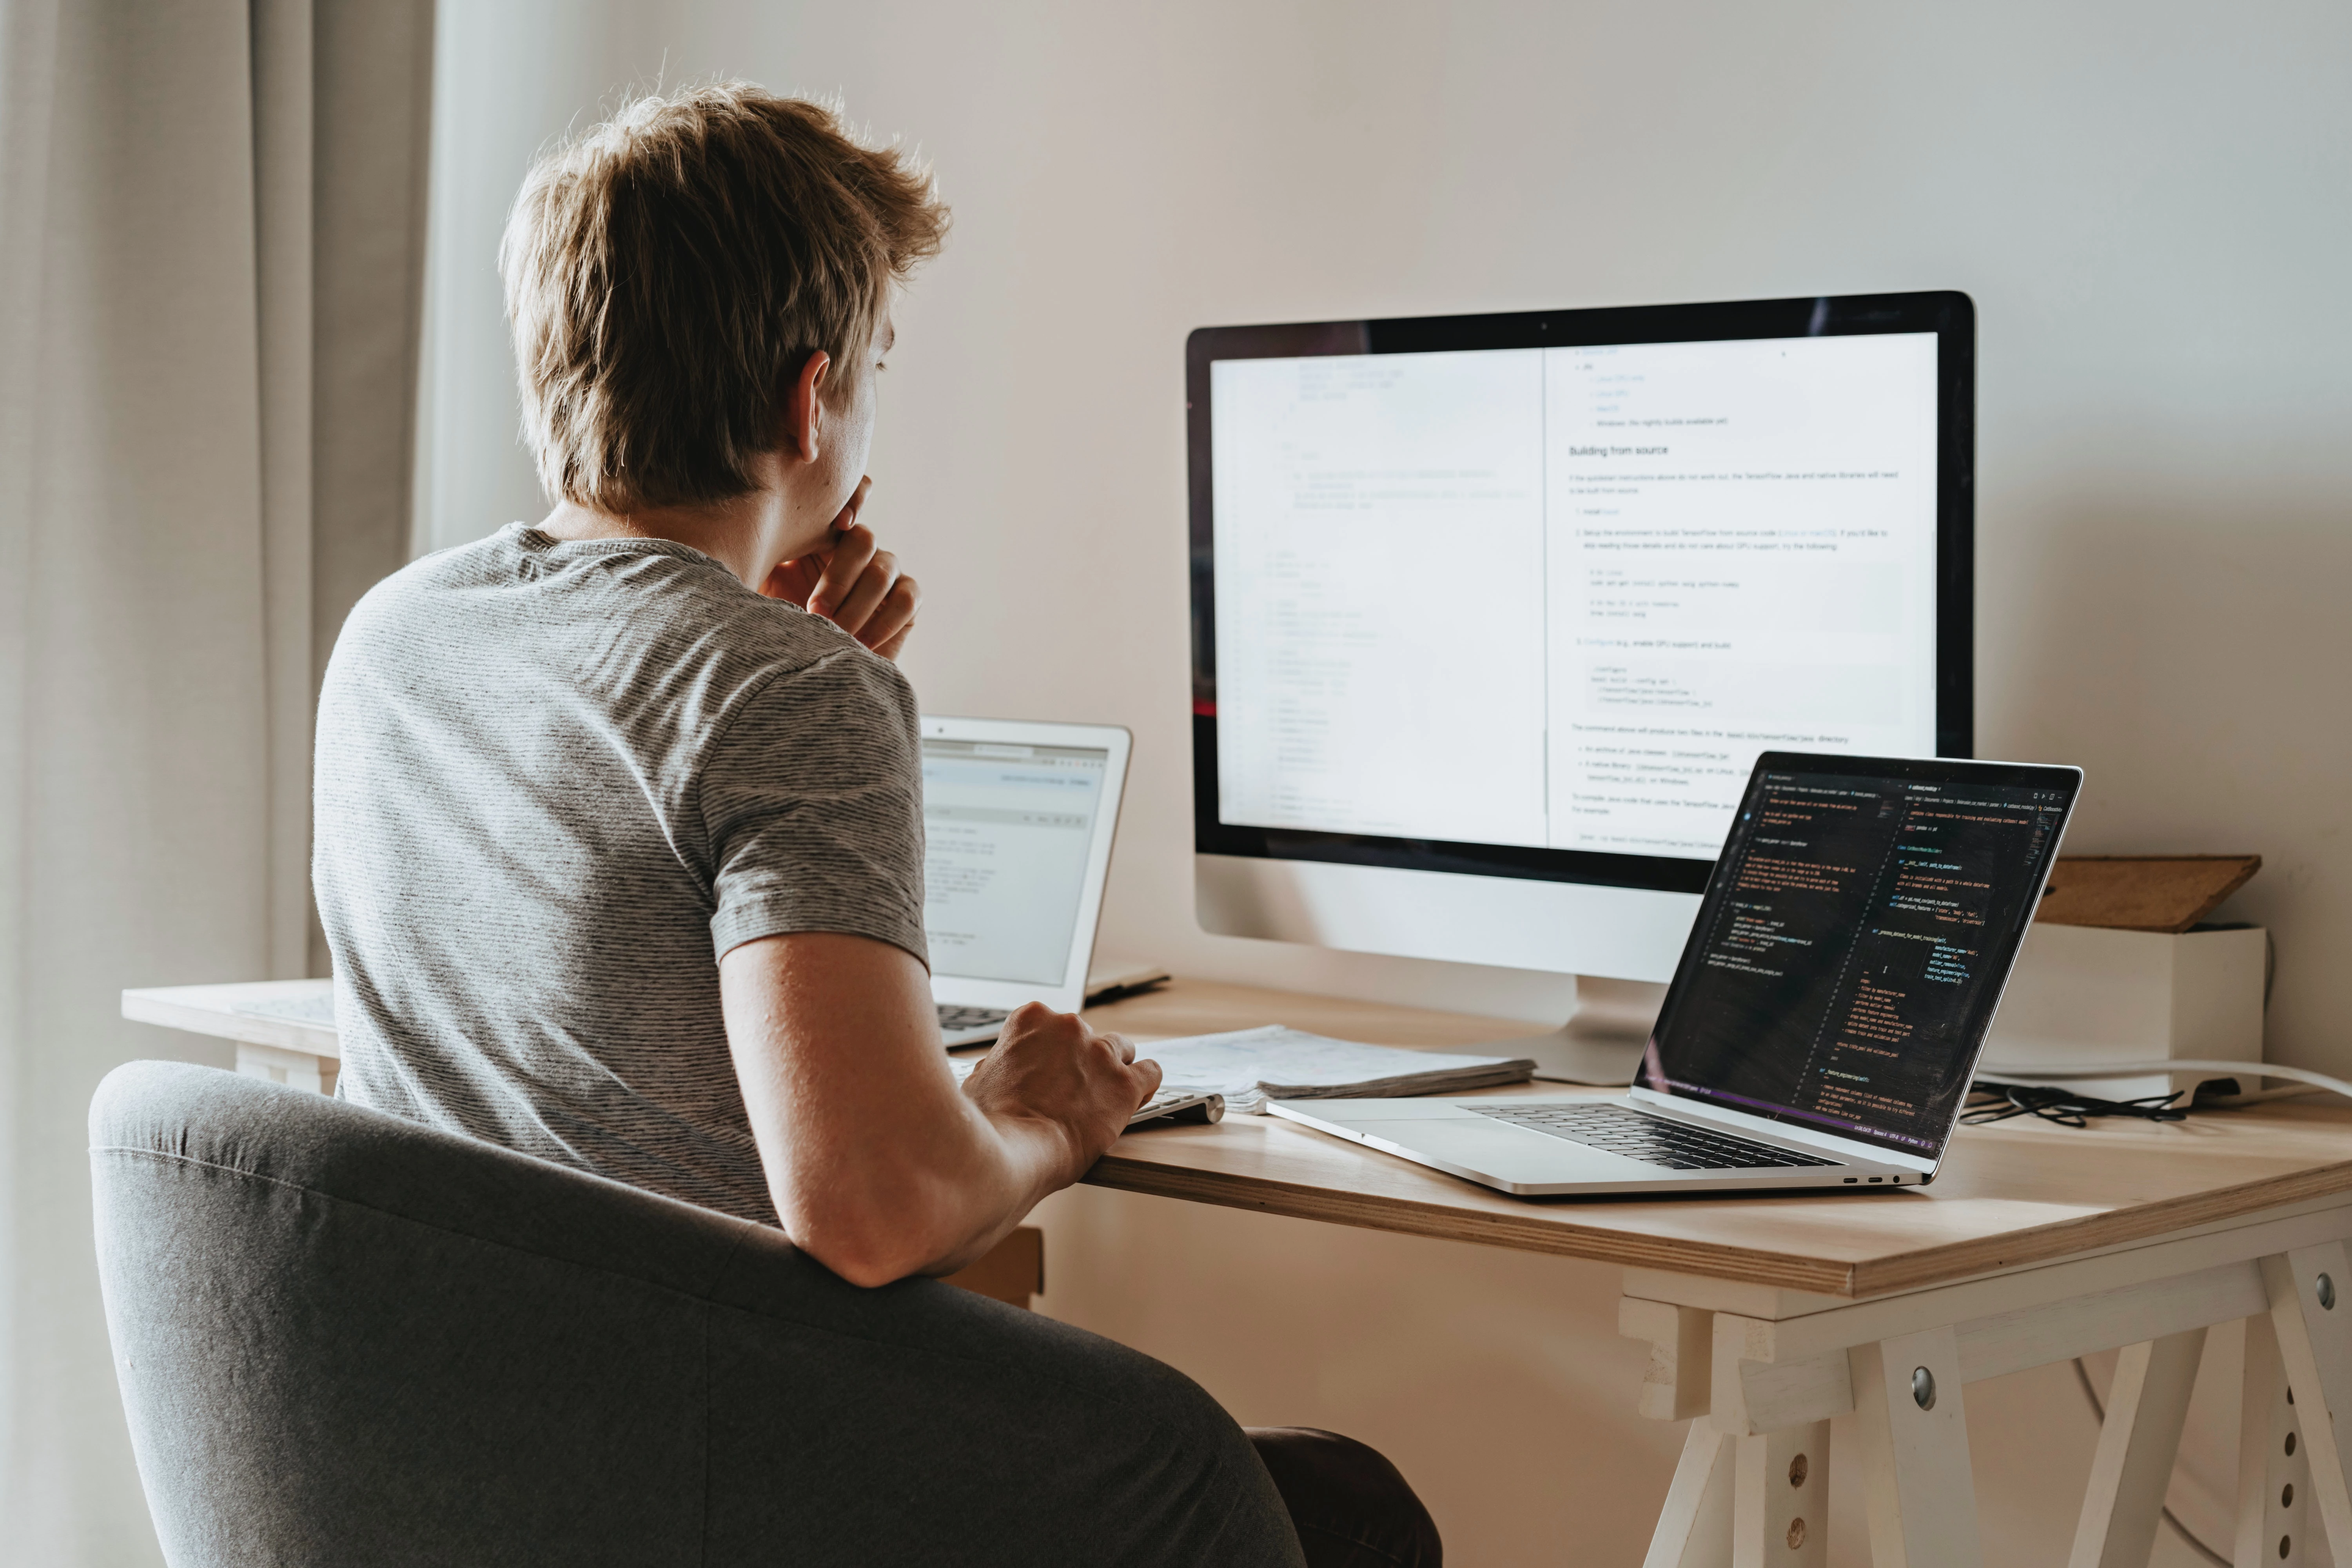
(811, 798)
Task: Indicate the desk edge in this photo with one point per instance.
(1829, 1277)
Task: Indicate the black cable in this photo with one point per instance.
(1991, 1100)
(2099, 1409)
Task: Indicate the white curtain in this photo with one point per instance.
(211, 216)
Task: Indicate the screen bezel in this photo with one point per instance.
(1927, 770)
(1950, 315)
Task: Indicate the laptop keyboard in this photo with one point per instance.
(1677, 1145)
(952, 1018)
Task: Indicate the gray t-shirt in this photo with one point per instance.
(554, 783)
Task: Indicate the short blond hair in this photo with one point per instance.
(668, 273)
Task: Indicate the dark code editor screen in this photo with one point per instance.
(1849, 952)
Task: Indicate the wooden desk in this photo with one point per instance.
(1768, 1317)
(268, 1045)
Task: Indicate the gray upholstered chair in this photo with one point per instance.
(345, 1339)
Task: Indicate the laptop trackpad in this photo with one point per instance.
(1515, 1154)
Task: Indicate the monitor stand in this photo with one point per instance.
(1602, 1042)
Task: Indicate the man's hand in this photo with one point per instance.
(852, 583)
(1049, 1068)
(877, 1166)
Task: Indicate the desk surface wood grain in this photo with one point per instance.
(2007, 1196)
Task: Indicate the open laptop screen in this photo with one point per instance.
(1854, 940)
(1006, 832)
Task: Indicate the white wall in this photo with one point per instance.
(2147, 201)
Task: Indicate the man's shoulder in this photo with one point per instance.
(664, 641)
(654, 602)
(710, 628)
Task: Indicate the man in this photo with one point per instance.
(562, 770)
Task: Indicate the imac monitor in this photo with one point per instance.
(1493, 614)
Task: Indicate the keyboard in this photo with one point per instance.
(1653, 1140)
(1181, 1103)
(954, 1019)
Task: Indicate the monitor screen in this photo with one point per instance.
(1528, 595)
(1006, 832)
(1851, 951)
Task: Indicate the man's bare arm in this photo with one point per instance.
(879, 1167)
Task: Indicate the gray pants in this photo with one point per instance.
(347, 1339)
(1349, 1506)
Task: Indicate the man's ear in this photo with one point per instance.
(804, 408)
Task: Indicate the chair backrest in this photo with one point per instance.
(342, 1336)
(347, 1339)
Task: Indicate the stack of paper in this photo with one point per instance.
(1250, 1067)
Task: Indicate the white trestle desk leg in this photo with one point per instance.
(2147, 1405)
(2311, 1311)
(1917, 1483)
(295, 1069)
(2274, 1465)
(1781, 1498)
(1694, 1526)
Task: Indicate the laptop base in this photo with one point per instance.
(1453, 1137)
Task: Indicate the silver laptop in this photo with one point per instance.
(1829, 1008)
(1018, 819)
